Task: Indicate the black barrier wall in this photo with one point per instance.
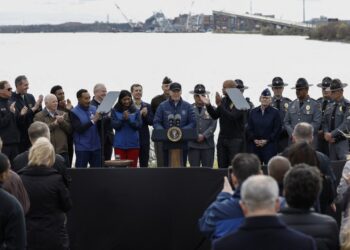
(136, 209)
(145, 208)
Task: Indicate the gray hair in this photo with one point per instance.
(49, 97)
(98, 86)
(259, 192)
(303, 132)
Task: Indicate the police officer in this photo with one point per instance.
(264, 127)
(324, 101)
(335, 119)
(303, 109)
(281, 103)
(201, 152)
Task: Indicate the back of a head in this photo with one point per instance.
(4, 163)
(278, 166)
(245, 165)
(42, 153)
(303, 132)
(302, 152)
(259, 192)
(37, 130)
(302, 185)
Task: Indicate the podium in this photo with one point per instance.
(174, 140)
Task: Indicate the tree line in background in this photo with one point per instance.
(335, 31)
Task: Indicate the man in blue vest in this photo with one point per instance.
(86, 138)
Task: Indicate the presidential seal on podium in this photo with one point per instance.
(174, 134)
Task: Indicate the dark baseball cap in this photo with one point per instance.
(175, 86)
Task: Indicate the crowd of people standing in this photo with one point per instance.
(40, 136)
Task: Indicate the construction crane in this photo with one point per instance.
(189, 17)
(129, 21)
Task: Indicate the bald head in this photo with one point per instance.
(278, 166)
(51, 102)
(229, 84)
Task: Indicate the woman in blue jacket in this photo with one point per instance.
(126, 121)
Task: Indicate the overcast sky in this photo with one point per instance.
(59, 11)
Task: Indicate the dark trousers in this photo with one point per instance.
(227, 149)
(158, 149)
(85, 157)
(144, 155)
(201, 157)
(108, 149)
(264, 153)
(70, 149)
(11, 151)
(322, 144)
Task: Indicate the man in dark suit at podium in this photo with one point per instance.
(175, 112)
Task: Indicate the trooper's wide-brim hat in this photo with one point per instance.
(277, 82)
(326, 83)
(277, 85)
(199, 89)
(302, 84)
(337, 85)
(240, 84)
(322, 85)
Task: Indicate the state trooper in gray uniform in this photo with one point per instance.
(201, 152)
(324, 101)
(335, 119)
(282, 104)
(303, 109)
